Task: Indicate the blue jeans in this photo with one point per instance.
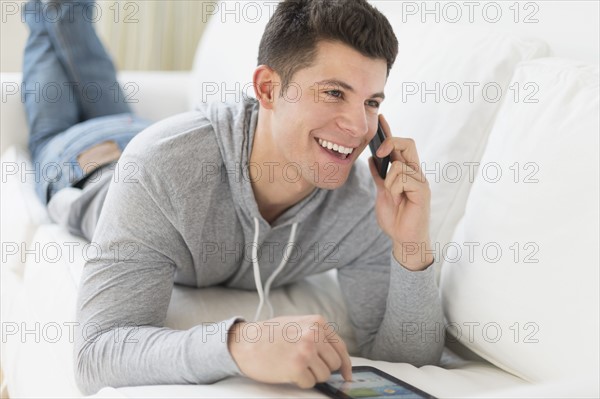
(71, 95)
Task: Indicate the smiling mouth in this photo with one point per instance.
(336, 150)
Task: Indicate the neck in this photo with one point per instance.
(273, 191)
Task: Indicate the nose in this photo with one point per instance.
(353, 120)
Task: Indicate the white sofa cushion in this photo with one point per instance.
(469, 379)
(536, 301)
(21, 210)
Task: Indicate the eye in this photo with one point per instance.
(373, 103)
(335, 93)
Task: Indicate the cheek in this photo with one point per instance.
(299, 122)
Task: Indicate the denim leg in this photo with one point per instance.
(85, 59)
(64, 52)
(50, 103)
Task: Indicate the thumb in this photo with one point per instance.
(378, 180)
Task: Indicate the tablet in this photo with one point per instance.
(369, 382)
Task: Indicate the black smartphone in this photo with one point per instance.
(369, 382)
(381, 163)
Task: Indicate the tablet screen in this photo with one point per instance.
(366, 384)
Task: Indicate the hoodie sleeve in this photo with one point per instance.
(396, 313)
(124, 294)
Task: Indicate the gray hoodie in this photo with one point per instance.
(181, 210)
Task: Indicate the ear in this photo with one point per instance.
(265, 81)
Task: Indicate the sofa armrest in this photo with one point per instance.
(152, 95)
(156, 95)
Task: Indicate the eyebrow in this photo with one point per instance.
(344, 85)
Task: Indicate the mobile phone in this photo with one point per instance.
(381, 163)
(369, 382)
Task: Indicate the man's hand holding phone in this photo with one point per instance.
(403, 201)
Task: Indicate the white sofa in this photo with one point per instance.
(514, 181)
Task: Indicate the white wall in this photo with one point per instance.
(13, 35)
(139, 34)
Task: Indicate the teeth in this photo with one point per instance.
(336, 147)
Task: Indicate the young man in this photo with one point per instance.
(221, 177)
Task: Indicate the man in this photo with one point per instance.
(221, 175)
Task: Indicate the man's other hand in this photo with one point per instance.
(302, 350)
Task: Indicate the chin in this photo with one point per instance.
(331, 183)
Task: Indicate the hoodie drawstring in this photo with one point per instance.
(262, 294)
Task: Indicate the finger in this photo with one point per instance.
(409, 187)
(407, 153)
(400, 149)
(385, 148)
(378, 180)
(401, 168)
(329, 356)
(306, 379)
(385, 126)
(340, 348)
(319, 369)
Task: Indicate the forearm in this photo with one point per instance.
(412, 326)
(146, 355)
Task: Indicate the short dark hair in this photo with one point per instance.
(289, 42)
